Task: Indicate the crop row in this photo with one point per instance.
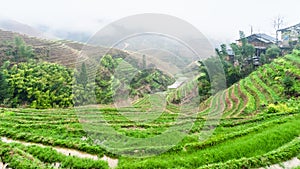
(18, 159)
(271, 92)
(38, 157)
(278, 155)
(266, 140)
(258, 96)
(66, 142)
(235, 101)
(250, 105)
(221, 138)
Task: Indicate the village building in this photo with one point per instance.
(260, 41)
(289, 36)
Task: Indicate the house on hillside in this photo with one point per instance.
(289, 36)
(260, 41)
(230, 56)
(177, 83)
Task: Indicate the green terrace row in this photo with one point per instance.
(19, 156)
(251, 94)
(72, 140)
(268, 138)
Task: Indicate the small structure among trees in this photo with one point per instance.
(289, 36)
(260, 41)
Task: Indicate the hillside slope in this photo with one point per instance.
(259, 126)
(261, 88)
(67, 53)
(72, 55)
(258, 123)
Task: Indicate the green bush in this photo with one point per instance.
(272, 108)
(4, 88)
(40, 85)
(273, 52)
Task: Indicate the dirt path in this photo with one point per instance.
(111, 162)
(235, 102)
(228, 100)
(2, 166)
(244, 97)
(294, 162)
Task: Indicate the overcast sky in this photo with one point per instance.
(218, 19)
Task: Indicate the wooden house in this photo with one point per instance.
(260, 41)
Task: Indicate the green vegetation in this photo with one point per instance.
(18, 51)
(272, 52)
(259, 121)
(265, 141)
(32, 83)
(39, 85)
(20, 156)
(116, 74)
(4, 88)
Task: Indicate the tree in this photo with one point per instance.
(223, 52)
(264, 58)
(4, 88)
(83, 78)
(144, 62)
(288, 83)
(104, 78)
(237, 51)
(108, 62)
(246, 48)
(243, 38)
(22, 51)
(214, 67)
(273, 52)
(40, 85)
(232, 75)
(277, 24)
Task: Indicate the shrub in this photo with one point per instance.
(40, 85)
(273, 52)
(272, 108)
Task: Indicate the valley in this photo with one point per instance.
(142, 111)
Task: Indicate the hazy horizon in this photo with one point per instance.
(218, 20)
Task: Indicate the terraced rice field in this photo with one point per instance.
(246, 135)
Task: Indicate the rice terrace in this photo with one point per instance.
(149, 101)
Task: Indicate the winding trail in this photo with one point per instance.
(294, 162)
(112, 163)
(2, 166)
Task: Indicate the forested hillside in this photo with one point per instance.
(46, 74)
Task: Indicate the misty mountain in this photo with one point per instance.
(15, 26)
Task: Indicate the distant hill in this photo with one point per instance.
(48, 50)
(15, 26)
(67, 53)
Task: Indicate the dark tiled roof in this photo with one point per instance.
(266, 37)
(297, 26)
(262, 37)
